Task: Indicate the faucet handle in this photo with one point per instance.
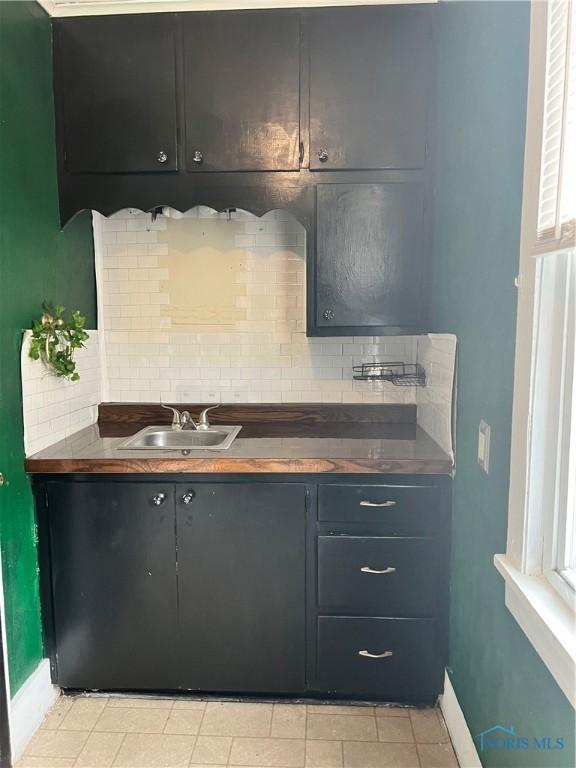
(176, 416)
(203, 422)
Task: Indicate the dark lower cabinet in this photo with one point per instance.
(271, 585)
(241, 587)
(113, 584)
(391, 658)
(378, 575)
(393, 509)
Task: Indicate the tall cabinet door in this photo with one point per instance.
(241, 572)
(113, 553)
(116, 93)
(369, 82)
(370, 261)
(241, 85)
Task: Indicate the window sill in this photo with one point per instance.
(546, 619)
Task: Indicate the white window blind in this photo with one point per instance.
(556, 227)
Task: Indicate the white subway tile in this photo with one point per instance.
(265, 358)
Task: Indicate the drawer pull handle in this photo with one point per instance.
(367, 569)
(369, 655)
(377, 504)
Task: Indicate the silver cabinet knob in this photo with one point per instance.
(197, 157)
(328, 314)
(187, 497)
(162, 156)
(158, 499)
(323, 155)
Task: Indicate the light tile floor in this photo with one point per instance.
(148, 732)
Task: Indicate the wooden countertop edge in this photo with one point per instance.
(230, 465)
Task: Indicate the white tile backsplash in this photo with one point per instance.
(437, 354)
(210, 307)
(55, 408)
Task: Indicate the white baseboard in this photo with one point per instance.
(461, 737)
(29, 707)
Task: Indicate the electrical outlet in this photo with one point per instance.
(484, 445)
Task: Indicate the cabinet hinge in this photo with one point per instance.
(427, 150)
(301, 152)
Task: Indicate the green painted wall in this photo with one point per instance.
(37, 262)
(482, 83)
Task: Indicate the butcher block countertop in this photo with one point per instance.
(301, 438)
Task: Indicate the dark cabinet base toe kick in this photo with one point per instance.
(264, 587)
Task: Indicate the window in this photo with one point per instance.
(539, 567)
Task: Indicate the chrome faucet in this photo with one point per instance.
(181, 419)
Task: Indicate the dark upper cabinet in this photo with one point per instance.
(113, 560)
(370, 72)
(241, 586)
(116, 93)
(371, 264)
(242, 91)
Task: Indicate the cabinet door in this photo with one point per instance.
(115, 82)
(369, 82)
(370, 262)
(241, 569)
(242, 76)
(114, 584)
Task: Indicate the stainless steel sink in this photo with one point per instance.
(169, 439)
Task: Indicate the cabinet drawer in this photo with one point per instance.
(406, 660)
(381, 576)
(400, 509)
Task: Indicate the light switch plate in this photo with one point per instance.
(484, 445)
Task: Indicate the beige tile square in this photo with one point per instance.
(56, 743)
(428, 726)
(83, 714)
(391, 711)
(359, 755)
(236, 719)
(340, 709)
(57, 713)
(395, 729)
(190, 704)
(100, 750)
(437, 756)
(324, 754)
(45, 762)
(212, 750)
(184, 721)
(154, 751)
(140, 702)
(124, 720)
(289, 721)
(272, 753)
(342, 727)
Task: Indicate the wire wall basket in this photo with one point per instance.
(400, 374)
